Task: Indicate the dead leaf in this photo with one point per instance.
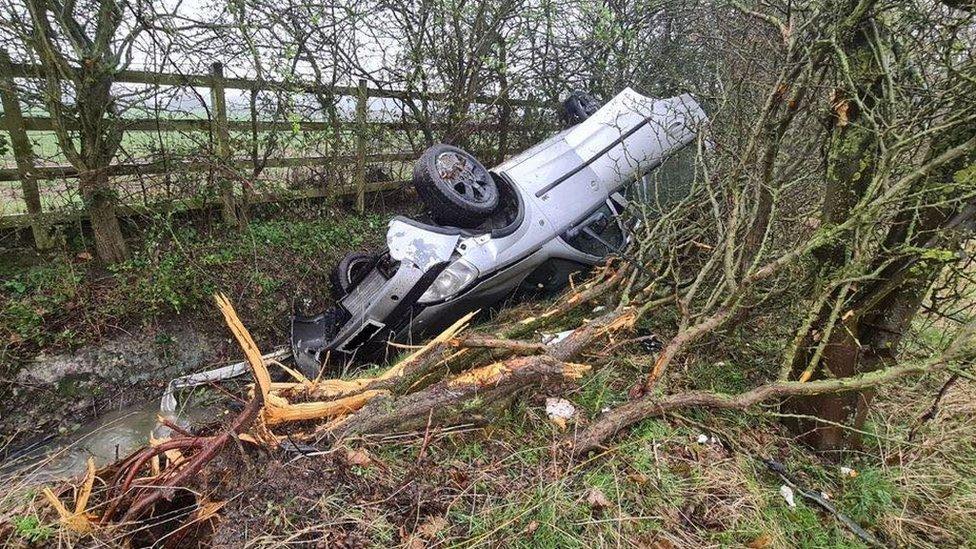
(762, 542)
(638, 478)
(841, 108)
(532, 526)
(358, 456)
(432, 527)
(208, 510)
(84, 256)
(597, 499)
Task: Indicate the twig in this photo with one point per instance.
(814, 496)
(934, 409)
(423, 445)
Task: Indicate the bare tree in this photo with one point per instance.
(80, 47)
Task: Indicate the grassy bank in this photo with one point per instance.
(66, 301)
(694, 479)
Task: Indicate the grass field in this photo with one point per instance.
(141, 146)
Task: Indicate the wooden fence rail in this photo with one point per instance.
(223, 165)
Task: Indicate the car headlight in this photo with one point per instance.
(456, 277)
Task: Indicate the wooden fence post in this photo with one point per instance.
(226, 184)
(362, 99)
(23, 153)
(504, 120)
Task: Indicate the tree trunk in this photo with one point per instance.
(883, 311)
(99, 199)
(851, 162)
(857, 347)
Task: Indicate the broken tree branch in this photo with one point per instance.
(514, 346)
(446, 400)
(147, 494)
(630, 413)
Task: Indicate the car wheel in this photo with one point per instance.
(456, 187)
(578, 107)
(349, 272)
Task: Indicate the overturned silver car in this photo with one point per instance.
(529, 222)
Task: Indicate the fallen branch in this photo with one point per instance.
(397, 379)
(447, 399)
(630, 413)
(204, 448)
(591, 291)
(515, 346)
(682, 340)
(582, 337)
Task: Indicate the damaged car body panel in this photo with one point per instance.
(558, 210)
(423, 247)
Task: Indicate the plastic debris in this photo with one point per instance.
(702, 439)
(560, 407)
(552, 339)
(848, 472)
(559, 411)
(787, 494)
(168, 404)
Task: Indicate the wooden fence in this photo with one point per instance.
(17, 125)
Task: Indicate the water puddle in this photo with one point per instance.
(114, 435)
(118, 433)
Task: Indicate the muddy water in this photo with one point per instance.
(53, 392)
(112, 436)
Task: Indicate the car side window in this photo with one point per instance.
(593, 235)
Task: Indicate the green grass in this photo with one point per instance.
(31, 530)
(869, 495)
(174, 272)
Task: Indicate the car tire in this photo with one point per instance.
(349, 272)
(456, 187)
(577, 107)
